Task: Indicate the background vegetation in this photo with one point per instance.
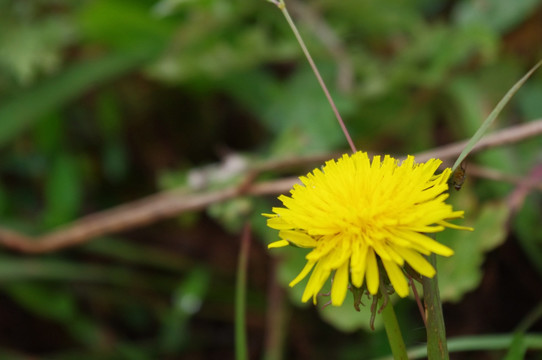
(104, 102)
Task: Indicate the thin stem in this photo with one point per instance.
(487, 342)
(393, 331)
(418, 301)
(241, 352)
(437, 348)
(282, 6)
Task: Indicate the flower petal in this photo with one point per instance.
(425, 242)
(357, 212)
(417, 262)
(277, 244)
(278, 223)
(308, 266)
(340, 285)
(373, 280)
(358, 264)
(318, 277)
(298, 238)
(397, 278)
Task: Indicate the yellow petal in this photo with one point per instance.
(417, 262)
(316, 281)
(302, 274)
(278, 244)
(298, 238)
(358, 265)
(278, 223)
(373, 279)
(397, 278)
(425, 241)
(453, 226)
(340, 285)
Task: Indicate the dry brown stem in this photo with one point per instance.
(168, 204)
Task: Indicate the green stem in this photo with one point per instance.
(393, 331)
(241, 352)
(282, 6)
(437, 348)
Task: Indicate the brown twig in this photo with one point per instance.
(502, 137)
(168, 204)
(132, 215)
(492, 174)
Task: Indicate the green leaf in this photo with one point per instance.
(63, 191)
(17, 269)
(187, 300)
(43, 300)
(32, 104)
(493, 115)
(296, 111)
(499, 15)
(125, 23)
(33, 47)
(517, 348)
(462, 272)
(527, 227)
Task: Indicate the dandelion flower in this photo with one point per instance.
(354, 213)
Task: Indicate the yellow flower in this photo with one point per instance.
(355, 212)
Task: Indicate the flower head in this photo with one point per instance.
(355, 213)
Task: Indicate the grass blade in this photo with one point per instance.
(493, 115)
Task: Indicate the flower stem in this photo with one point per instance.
(241, 352)
(437, 348)
(393, 331)
(282, 6)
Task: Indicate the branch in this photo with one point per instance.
(169, 204)
(510, 135)
(145, 211)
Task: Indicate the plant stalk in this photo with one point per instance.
(282, 6)
(393, 332)
(437, 348)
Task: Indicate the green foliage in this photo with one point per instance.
(462, 272)
(104, 102)
(527, 225)
(29, 105)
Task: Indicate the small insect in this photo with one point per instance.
(458, 178)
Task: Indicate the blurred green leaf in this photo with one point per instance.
(296, 110)
(529, 100)
(63, 191)
(499, 15)
(480, 132)
(28, 49)
(16, 269)
(49, 134)
(187, 300)
(527, 227)
(32, 104)
(462, 272)
(517, 348)
(124, 23)
(115, 157)
(139, 254)
(44, 300)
